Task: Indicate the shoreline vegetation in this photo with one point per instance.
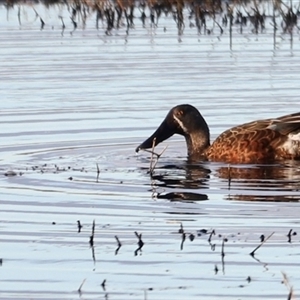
(207, 16)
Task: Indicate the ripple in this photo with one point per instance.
(73, 105)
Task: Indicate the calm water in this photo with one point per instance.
(70, 102)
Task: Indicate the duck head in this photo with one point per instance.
(184, 120)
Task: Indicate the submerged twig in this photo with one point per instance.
(152, 162)
(42, 21)
(223, 245)
(93, 234)
(62, 22)
(191, 237)
(79, 226)
(265, 265)
(183, 236)
(98, 172)
(119, 245)
(92, 241)
(253, 252)
(181, 230)
(290, 234)
(80, 287)
(211, 234)
(212, 246)
(158, 155)
(152, 152)
(140, 243)
(216, 269)
(223, 254)
(63, 25)
(19, 15)
(74, 25)
(287, 284)
(103, 284)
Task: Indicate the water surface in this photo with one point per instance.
(70, 102)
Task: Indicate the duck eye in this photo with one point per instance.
(180, 113)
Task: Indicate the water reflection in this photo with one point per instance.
(277, 177)
(269, 198)
(275, 172)
(277, 182)
(183, 196)
(190, 176)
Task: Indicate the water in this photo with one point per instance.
(72, 102)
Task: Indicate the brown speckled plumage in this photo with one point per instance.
(255, 142)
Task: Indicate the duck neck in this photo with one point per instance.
(197, 143)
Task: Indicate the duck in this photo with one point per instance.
(256, 142)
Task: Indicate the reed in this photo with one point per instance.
(205, 15)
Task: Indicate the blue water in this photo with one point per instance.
(70, 102)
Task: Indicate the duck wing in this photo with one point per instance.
(286, 125)
(259, 141)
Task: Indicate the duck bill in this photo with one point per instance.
(162, 133)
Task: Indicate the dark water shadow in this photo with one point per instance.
(183, 196)
(272, 183)
(184, 177)
(279, 182)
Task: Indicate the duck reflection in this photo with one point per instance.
(264, 198)
(259, 173)
(262, 177)
(277, 182)
(183, 176)
(183, 196)
(188, 176)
